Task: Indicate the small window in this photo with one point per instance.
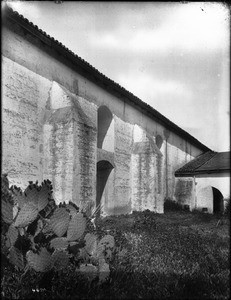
(105, 139)
(159, 141)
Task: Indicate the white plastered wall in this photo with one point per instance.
(204, 184)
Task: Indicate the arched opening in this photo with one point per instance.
(218, 201)
(104, 123)
(159, 141)
(104, 169)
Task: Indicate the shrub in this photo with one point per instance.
(170, 205)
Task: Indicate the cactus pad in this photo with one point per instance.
(31, 194)
(16, 258)
(7, 212)
(100, 251)
(104, 270)
(39, 262)
(105, 245)
(60, 259)
(91, 243)
(12, 235)
(43, 197)
(89, 271)
(18, 197)
(37, 195)
(108, 240)
(59, 243)
(76, 227)
(72, 210)
(59, 221)
(27, 214)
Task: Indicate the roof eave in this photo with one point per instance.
(201, 172)
(94, 74)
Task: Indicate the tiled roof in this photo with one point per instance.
(99, 78)
(209, 162)
(220, 161)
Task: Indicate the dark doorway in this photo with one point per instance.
(104, 169)
(218, 201)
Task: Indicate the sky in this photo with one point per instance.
(175, 56)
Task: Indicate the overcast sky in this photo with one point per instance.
(173, 56)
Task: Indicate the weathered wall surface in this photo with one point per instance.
(24, 96)
(147, 184)
(50, 125)
(185, 192)
(70, 137)
(175, 158)
(122, 183)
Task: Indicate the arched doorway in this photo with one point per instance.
(218, 201)
(104, 169)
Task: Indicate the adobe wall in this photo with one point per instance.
(50, 131)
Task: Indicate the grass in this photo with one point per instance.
(176, 255)
(182, 255)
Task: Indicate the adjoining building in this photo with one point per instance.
(204, 183)
(65, 121)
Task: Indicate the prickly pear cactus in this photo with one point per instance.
(18, 196)
(105, 247)
(7, 212)
(91, 243)
(12, 235)
(43, 196)
(59, 243)
(16, 258)
(72, 209)
(42, 236)
(38, 195)
(60, 259)
(108, 241)
(40, 262)
(31, 194)
(26, 215)
(104, 270)
(59, 221)
(76, 227)
(89, 271)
